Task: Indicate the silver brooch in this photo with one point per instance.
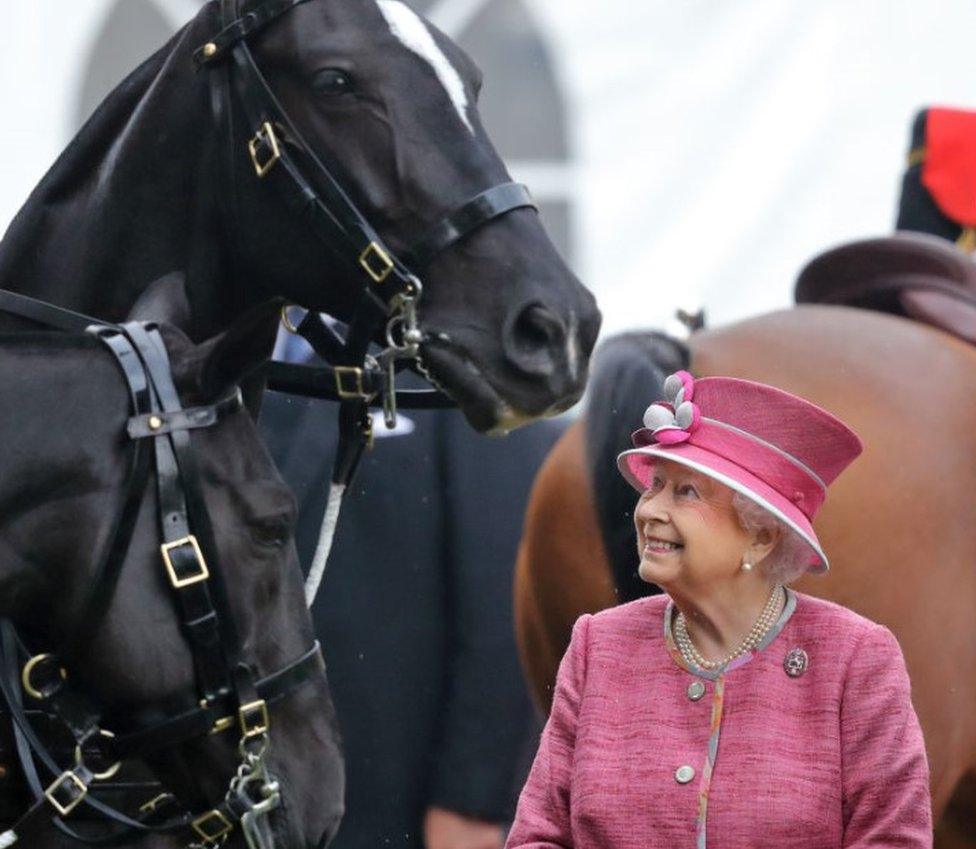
(796, 662)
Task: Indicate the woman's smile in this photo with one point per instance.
(656, 545)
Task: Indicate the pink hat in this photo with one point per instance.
(773, 447)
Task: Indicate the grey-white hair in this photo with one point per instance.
(790, 557)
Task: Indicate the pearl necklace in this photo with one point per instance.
(765, 622)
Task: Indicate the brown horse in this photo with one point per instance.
(896, 525)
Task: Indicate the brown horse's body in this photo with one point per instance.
(897, 525)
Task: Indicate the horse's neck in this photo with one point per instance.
(131, 199)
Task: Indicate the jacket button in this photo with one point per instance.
(684, 774)
(696, 689)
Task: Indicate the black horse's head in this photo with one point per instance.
(161, 179)
(61, 487)
(389, 105)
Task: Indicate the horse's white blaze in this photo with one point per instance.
(572, 346)
(407, 26)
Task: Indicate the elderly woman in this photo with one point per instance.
(732, 712)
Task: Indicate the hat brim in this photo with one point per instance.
(637, 463)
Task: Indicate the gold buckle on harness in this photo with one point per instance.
(61, 783)
(264, 136)
(150, 806)
(201, 825)
(253, 718)
(106, 773)
(221, 724)
(25, 675)
(202, 572)
(342, 385)
(375, 254)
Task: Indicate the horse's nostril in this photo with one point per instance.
(533, 339)
(538, 327)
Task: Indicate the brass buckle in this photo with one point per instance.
(385, 263)
(370, 435)
(194, 578)
(341, 373)
(150, 806)
(221, 724)
(266, 136)
(286, 321)
(25, 675)
(201, 826)
(105, 774)
(58, 784)
(253, 718)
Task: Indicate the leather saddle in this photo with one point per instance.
(910, 274)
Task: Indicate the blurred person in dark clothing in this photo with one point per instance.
(415, 618)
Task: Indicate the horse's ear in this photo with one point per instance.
(164, 300)
(229, 358)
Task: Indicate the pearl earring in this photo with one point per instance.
(746, 566)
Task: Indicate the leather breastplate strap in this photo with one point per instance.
(69, 793)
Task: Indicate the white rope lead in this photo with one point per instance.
(7, 838)
(324, 545)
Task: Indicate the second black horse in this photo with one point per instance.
(132, 655)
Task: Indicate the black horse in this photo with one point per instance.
(62, 473)
(160, 180)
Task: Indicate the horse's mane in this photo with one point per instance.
(628, 374)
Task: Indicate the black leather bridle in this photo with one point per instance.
(229, 695)
(390, 289)
(390, 286)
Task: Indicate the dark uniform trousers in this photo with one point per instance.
(415, 612)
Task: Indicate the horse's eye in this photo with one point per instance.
(332, 81)
(270, 534)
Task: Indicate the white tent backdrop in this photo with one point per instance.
(715, 146)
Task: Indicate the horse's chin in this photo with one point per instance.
(456, 374)
(286, 834)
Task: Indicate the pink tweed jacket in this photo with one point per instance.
(642, 751)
